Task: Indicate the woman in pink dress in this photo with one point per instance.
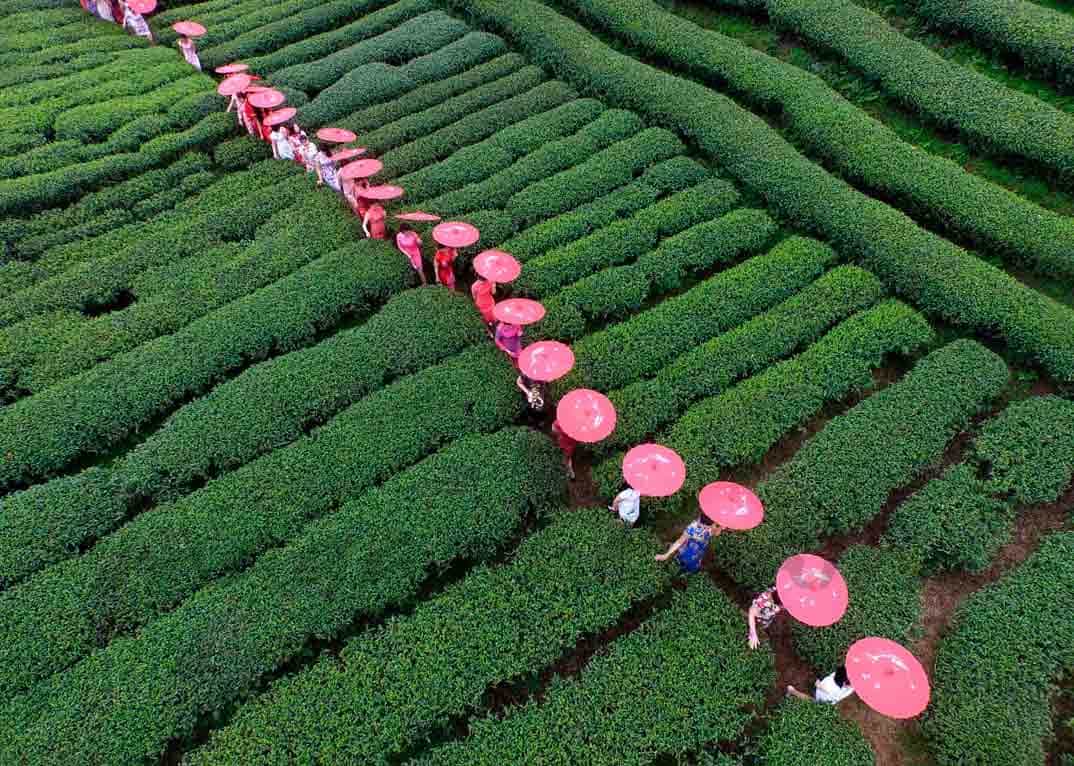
(190, 52)
(482, 292)
(445, 266)
(373, 224)
(409, 243)
(508, 338)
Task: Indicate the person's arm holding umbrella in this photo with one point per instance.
(673, 548)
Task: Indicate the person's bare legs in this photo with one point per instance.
(570, 468)
(791, 691)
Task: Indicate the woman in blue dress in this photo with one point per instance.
(692, 544)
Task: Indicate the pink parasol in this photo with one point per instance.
(520, 311)
(546, 360)
(418, 217)
(455, 234)
(812, 590)
(231, 68)
(586, 415)
(280, 116)
(361, 169)
(142, 6)
(384, 192)
(234, 85)
(267, 99)
(731, 505)
(347, 154)
(188, 28)
(654, 470)
(336, 135)
(497, 266)
(887, 677)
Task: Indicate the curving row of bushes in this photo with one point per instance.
(841, 478)
(689, 666)
(709, 367)
(938, 277)
(111, 41)
(264, 409)
(215, 650)
(391, 689)
(621, 290)
(862, 148)
(164, 555)
(803, 734)
(766, 407)
(93, 411)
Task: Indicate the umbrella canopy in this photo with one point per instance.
(280, 116)
(267, 99)
(812, 590)
(586, 415)
(336, 135)
(234, 85)
(383, 192)
(361, 169)
(347, 154)
(546, 360)
(731, 505)
(142, 6)
(654, 470)
(521, 311)
(188, 28)
(455, 234)
(418, 217)
(497, 266)
(231, 68)
(887, 677)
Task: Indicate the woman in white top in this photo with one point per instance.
(628, 505)
(280, 139)
(135, 22)
(830, 690)
(189, 51)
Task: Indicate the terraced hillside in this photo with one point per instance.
(265, 499)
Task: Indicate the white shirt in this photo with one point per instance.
(283, 146)
(827, 690)
(629, 506)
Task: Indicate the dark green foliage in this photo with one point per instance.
(684, 678)
(806, 734)
(357, 563)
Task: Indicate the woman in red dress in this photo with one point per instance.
(567, 446)
(445, 266)
(373, 224)
(409, 243)
(483, 291)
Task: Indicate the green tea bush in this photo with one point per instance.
(689, 665)
(937, 276)
(391, 689)
(995, 668)
(164, 555)
(840, 479)
(646, 406)
(144, 66)
(804, 734)
(211, 652)
(94, 410)
(116, 45)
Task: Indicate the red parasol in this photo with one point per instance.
(455, 234)
(654, 470)
(231, 68)
(546, 360)
(812, 590)
(887, 677)
(586, 415)
(142, 6)
(418, 217)
(280, 116)
(267, 99)
(520, 311)
(731, 505)
(188, 28)
(383, 192)
(497, 266)
(347, 154)
(361, 169)
(336, 135)
(233, 85)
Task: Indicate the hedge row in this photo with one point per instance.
(94, 272)
(226, 26)
(45, 37)
(415, 37)
(934, 274)
(769, 405)
(163, 556)
(95, 410)
(623, 240)
(995, 669)
(505, 109)
(459, 62)
(688, 665)
(215, 650)
(804, 734)
(649, 405)
(860, 147)
(474, 163)
(1041, 37)
(116, 45)
(141, 65)
(393, 688)
(667, 177)
(621, 290)
(275, 36)
(842, 477)
(266, 407)
(281, 248)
